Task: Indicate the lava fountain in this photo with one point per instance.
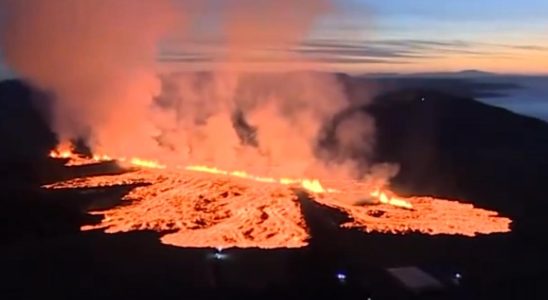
(200, 206)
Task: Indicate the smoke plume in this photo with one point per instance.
(100, 59)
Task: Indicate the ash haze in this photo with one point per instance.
(106, 78)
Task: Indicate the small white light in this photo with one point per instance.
(458, 276)
(220, 256)
(341, 276)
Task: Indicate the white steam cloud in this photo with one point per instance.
(99, 57)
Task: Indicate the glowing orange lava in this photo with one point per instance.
(199, 206)
(202, 210)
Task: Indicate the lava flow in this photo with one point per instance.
(199, 206)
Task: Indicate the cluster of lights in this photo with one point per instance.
(341, 277)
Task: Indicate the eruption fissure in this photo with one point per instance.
(65, 151)
(207, 207)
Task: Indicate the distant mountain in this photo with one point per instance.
(24, 130)
(460, 74)
(464, 74)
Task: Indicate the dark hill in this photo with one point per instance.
(25, 136)
(461, 148)
(23, 122)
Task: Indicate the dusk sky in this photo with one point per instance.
(430, 35)
(363, 36)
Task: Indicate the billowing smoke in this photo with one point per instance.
(100, 59)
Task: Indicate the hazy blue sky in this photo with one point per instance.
(498, 35)
(486, 19)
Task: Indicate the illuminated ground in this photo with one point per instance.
(195, 208)
(203, 210)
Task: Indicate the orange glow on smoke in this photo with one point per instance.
(208, 207)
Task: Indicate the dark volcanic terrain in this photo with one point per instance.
(447, 146)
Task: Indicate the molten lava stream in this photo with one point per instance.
(207, 207)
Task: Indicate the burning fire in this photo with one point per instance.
(63, 150)
(205, 206)
(394, 201)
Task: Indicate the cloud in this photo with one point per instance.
(322, 57)
(402, 51)
(394, 51)
(346, 49)
(529, 47)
